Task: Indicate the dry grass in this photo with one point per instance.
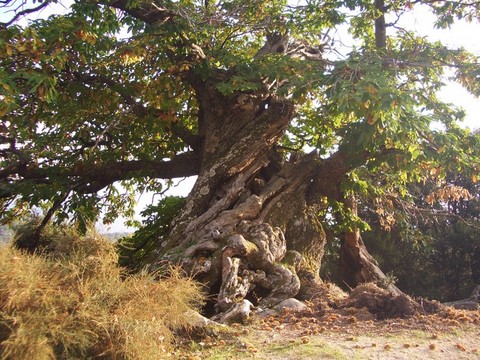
(75, 302)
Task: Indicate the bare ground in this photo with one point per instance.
(325, 333)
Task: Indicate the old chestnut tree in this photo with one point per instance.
(287, 129)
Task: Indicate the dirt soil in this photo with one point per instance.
(322, 332)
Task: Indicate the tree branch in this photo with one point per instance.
(380, 26)
(178, 129)
(148, 12)
(138, 109)
(97, 177)
(329, 175)
(414, 211)
(90, 178)
(48, 216)
(25, 12)
(331, 171)
(191, 139)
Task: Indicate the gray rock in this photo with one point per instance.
(195, 320)
(265, 313)
(238, 313)
(290, 304)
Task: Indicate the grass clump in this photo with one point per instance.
(74, 301)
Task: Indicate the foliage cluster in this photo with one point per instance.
(433, 247)
(437, 267)
(73, 301)
(430, 249)
(83, 108)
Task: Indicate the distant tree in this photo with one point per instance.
(430, 247)
(285, 128)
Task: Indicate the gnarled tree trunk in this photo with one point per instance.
(249, 230)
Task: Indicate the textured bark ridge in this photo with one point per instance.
(358, 265)
(239, 249)
(231, 235)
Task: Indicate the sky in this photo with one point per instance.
(459, 35)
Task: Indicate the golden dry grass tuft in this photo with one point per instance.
(73, 301)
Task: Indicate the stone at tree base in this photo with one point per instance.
(238, 313)
(472, 303)
(291, 304)
(198, 321)
(241, 312)
(265, 313)
(199, 326)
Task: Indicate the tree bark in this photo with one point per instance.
(256, 241)
(380, 26)
(247, 231)
(357, 265)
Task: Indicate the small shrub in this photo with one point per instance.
(73, 301)
(136, 250)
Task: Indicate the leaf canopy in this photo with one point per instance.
(105, 94)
